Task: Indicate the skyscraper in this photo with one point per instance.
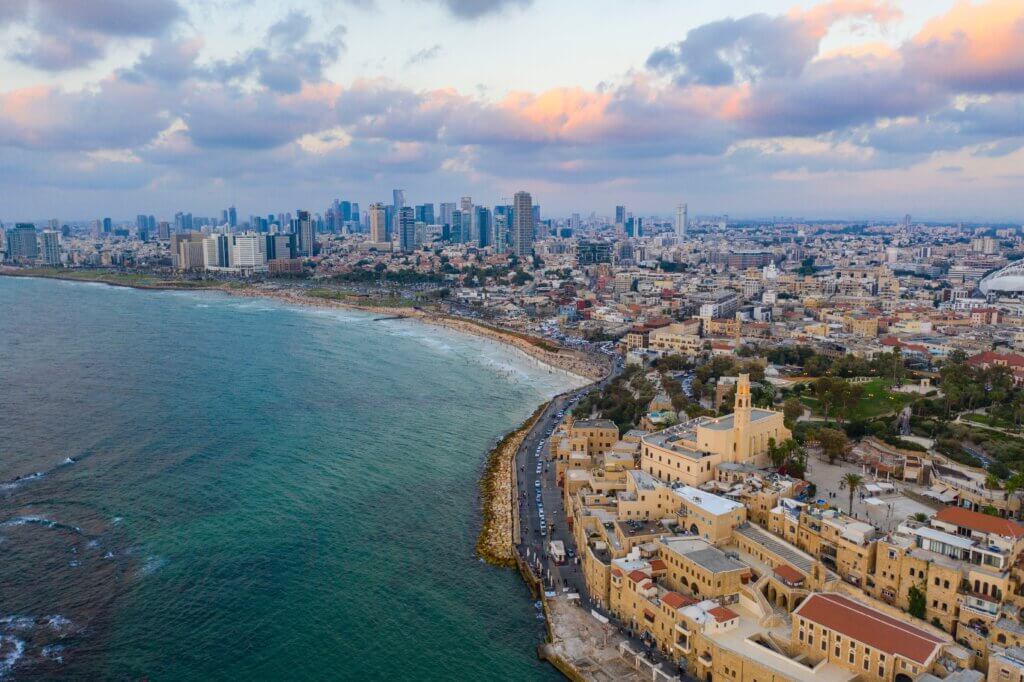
(232, 217)
(469, 226)
(378, 223)
(306, 235)
(22, 245)
(398, 203)
(108, 225)
(682, 218)
(455, 233)
(500, 229)
(445, 217)
(50, 247)
(406, 229)
(484, 237)
(522, 232)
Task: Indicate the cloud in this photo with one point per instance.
(425, 55)
(756, 46)
(474, 9)
(738, 104)
(973, 47)
(67, 35)
(287, 57)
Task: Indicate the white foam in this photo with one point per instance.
(15, 650)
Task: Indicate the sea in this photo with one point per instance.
(195, 486)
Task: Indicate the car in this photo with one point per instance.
(536, 484)
(570, 552)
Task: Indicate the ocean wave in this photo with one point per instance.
(11, 651)
(19, 480)
(54, 623)
(152, 564)
(40, 520)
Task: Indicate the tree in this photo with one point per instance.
(992, 481)
(852, 481)
(823, 390)
(833, 443)
(792, 410)
(916, 603)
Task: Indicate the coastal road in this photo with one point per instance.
(568, 575)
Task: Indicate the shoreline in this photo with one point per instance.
(576, 365)
(499, 510)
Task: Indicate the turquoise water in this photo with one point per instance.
(254, 491)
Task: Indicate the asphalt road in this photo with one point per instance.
(533, 544)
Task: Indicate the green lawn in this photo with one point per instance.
(877, 400)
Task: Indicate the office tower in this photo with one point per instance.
(407, 229)
(232, 217)
(279, 246)
(445, 213)
(425, 214)
(108, 225)
(500, 241)
(355, 212)
(215, 252)
(65, 231)
(247, 251)
(50, 247)
(378, 223)
(682, 218)
(522, 232)
(163, 230)
(397, 203)
(22, 245)
(620, 215)
(483, 227)
(455, 233)
(574, 222)
(306, 234)
(468, 219)
(141, 222)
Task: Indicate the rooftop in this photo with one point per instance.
(983, 523)
(703, 554)
(870, 626)
(709, 502)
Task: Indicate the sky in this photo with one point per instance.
(837, 109)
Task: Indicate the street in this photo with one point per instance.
(568, 577)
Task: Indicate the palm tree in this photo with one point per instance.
(992, 481)
(852, 482)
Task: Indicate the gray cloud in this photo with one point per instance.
(67, 35)
(724, 52)
(287, 57)
(474, 9)
(425, 55)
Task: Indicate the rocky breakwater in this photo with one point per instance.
(495, 545)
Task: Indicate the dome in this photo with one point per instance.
(1008, 280)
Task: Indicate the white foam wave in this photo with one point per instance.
(11, 651)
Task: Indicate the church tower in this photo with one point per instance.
(741, 419)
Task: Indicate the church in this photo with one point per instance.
(689, 453)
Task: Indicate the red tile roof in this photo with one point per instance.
(658, 565)
(789, 574)
(869, 626)
(993, 358)
(983, 523)
(677, 601)
(722, 614)
(637, 575)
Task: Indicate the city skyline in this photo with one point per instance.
(847, 108)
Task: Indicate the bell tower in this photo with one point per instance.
(741, 419)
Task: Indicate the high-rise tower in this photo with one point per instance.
(522, 232)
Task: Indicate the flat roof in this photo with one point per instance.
(869, 626)
(709, 502)
(703, 554)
